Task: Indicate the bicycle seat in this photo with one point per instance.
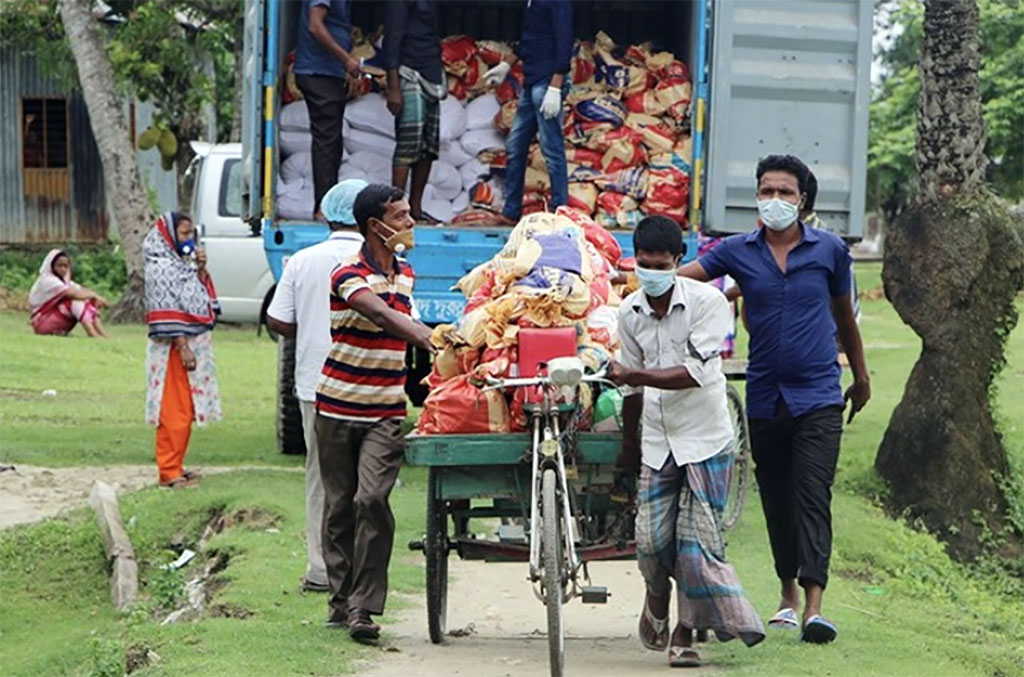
(565, 371)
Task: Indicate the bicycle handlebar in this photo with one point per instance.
(600, 377)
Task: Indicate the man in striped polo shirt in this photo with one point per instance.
(360, 401)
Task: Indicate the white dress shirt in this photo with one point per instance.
(692, 424)
(303, 298)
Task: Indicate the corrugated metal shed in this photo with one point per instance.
(64, 204)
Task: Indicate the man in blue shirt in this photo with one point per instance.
(796, 282)
(545, 50)
(322, 63)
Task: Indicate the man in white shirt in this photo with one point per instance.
(672, 330)
(301, 310)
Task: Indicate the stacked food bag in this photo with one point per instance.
(555, 271)
(626, 131)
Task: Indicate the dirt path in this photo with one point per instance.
(506, 625)
(31, 493)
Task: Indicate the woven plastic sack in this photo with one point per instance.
(602, 108)
(605, 243)
(534, 224)
(494, 52)
(457, 89)
(583, 197)
(453, 120)
(477, 141)
(506, 116)
(459, 406)
(456, 51)
(667, 188)
(666, 66)
(646, 102)
(622, 208)
(608, 70)
(623, 154)
(632, 182)
(674, 95)
(453, 153)
(473, 77)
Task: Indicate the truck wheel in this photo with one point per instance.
(418, 365)
(289, 416)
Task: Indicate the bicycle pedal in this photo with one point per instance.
(595, 594)
(572, 472)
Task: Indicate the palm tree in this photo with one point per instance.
(120, 171)
(953, 266)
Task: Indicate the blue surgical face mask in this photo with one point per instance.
(187, 248)
(655, 283)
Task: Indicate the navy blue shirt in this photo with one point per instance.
(412, 38)
(792, 332)
(546, 45)
(310, 57)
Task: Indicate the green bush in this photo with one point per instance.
(99, 267)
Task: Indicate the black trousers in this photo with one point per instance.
(359, 463)
(325, 99)
(795, 464)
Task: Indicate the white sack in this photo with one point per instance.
(452, 153)
(453, 119)
(370, 113)
(445, 180)
(480, 112)
(478, 140)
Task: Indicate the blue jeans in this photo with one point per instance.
(552, 144)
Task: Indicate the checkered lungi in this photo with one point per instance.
(679, 535)
(418, 127)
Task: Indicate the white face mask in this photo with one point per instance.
(777, 214)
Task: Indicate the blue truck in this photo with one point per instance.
(768, 76)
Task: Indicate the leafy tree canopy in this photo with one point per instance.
(891, 169)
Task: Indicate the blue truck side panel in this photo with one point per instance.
(441, 256)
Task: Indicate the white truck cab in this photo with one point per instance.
(237, 260)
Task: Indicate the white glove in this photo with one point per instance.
(552, 103)
(496, 75)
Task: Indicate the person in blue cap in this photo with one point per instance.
(301, 310)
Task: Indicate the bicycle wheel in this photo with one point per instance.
(551, 542)
(741, 459)
(435, 547)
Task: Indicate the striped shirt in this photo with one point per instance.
(363, 377)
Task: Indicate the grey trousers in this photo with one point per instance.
(359, 464)
(316, 571)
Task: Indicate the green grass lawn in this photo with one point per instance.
(902, 606)
(98, 416)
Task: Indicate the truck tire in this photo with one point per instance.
(418, 365)
(290, 439)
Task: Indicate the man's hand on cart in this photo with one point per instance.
(618, 374)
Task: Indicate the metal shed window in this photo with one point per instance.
(44, 133)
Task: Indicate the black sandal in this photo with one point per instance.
(182, 482)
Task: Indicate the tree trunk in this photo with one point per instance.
(952, 268)
(120, 171)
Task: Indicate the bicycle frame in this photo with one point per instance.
(547, 452)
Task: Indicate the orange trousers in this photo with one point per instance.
(176, 415)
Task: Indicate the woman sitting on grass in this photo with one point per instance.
(181, 309)
(57, 304)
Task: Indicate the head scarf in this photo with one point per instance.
(49, 288)
(178, 301)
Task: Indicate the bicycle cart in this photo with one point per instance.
(561, 501)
